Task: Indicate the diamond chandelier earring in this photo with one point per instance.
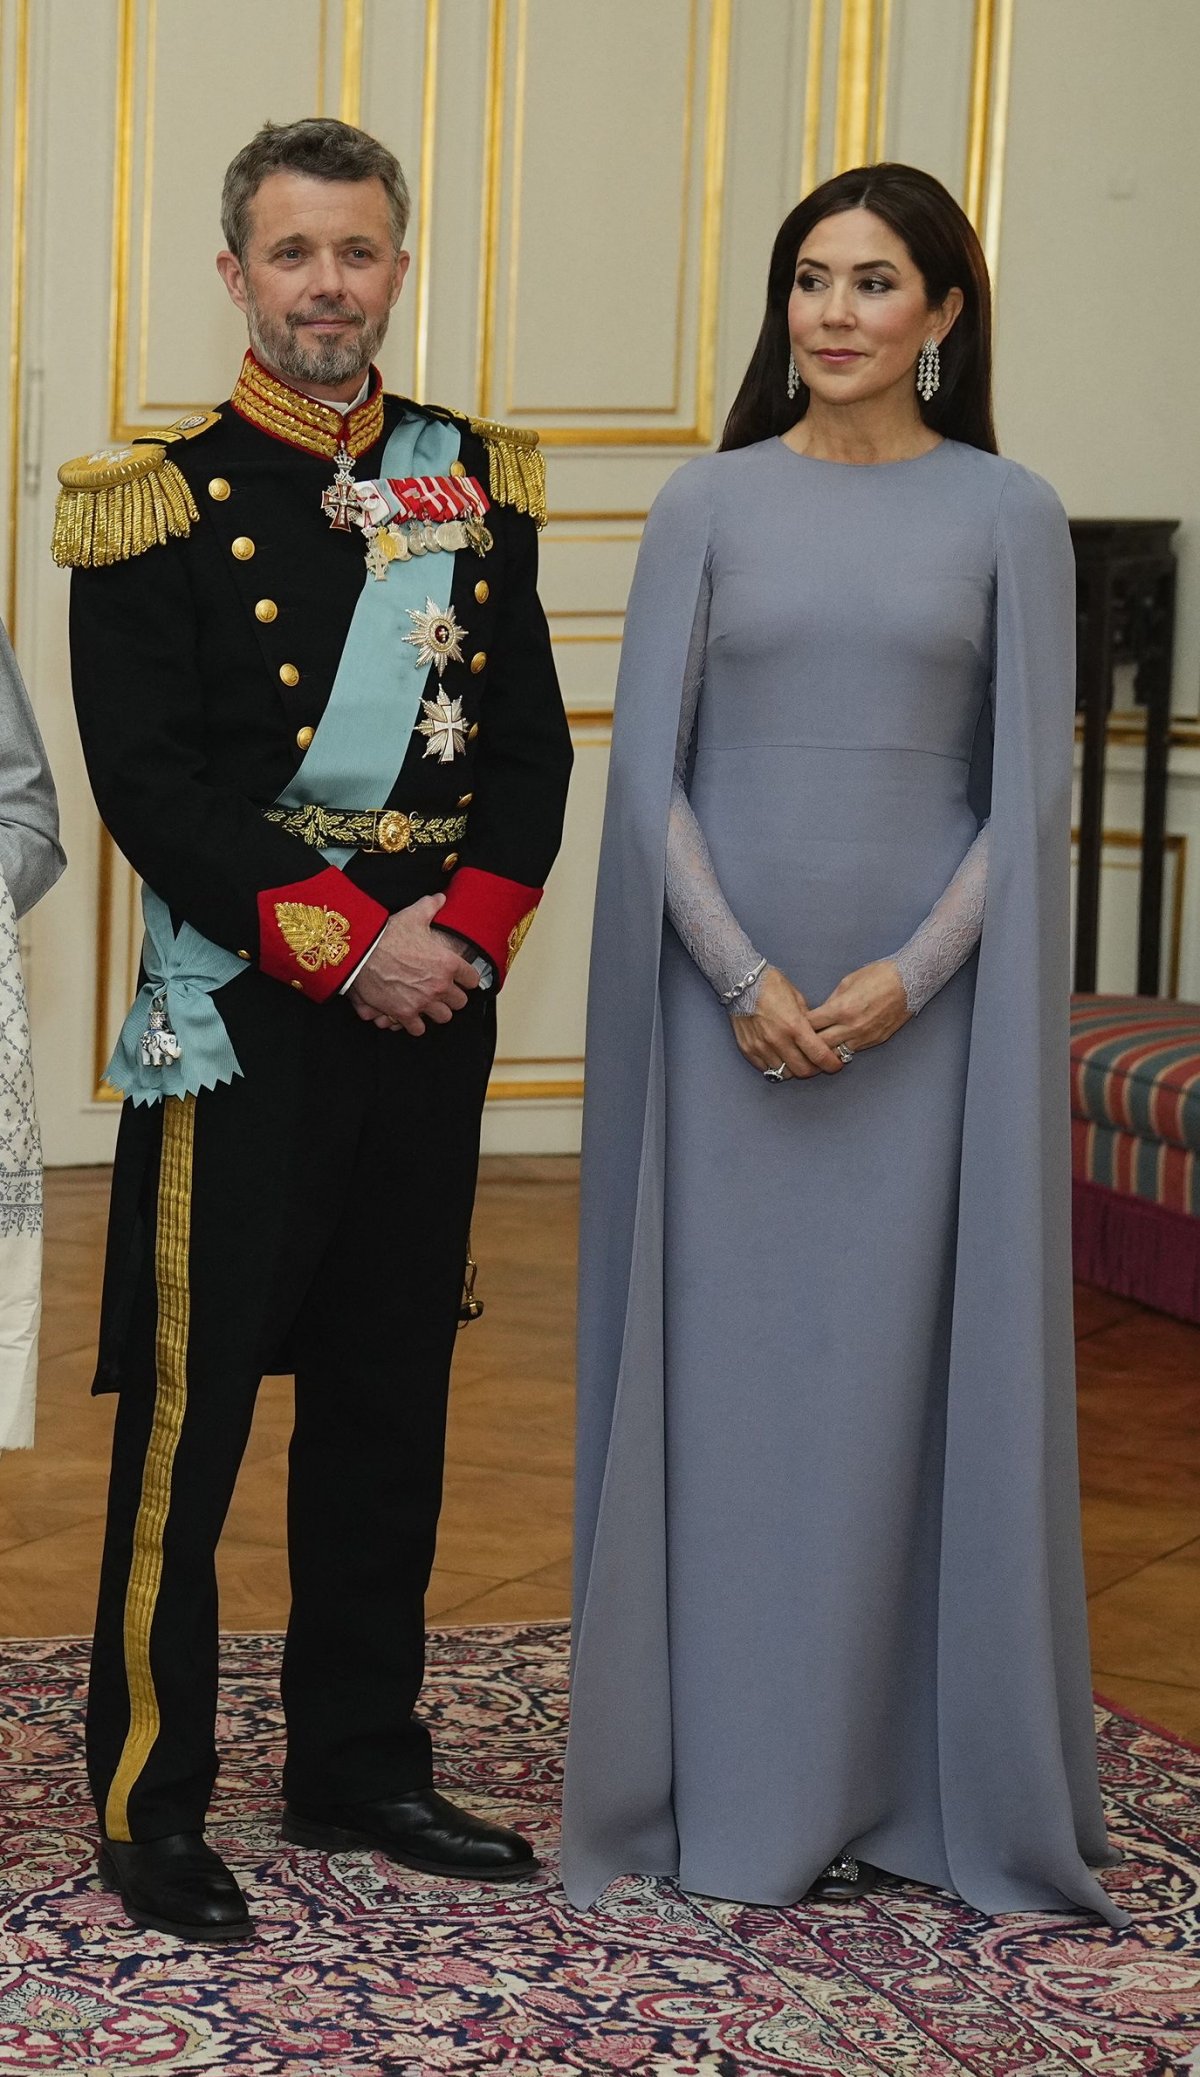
(929, 371)
(793, 381)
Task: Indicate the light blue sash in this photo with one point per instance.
(352, 762)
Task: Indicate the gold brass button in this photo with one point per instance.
(483, 591)
(449, 861)
(243, 548)
(479, 662)
(472, 732)
(243, 955)
(297, 984)
(218, 489)
(392, 831)
(288, 673)
(266, 609)
(304, 737)
(465, 799)
(458, 468)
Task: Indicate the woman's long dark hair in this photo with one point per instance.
(946, 253)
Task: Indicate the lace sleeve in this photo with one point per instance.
(949, 933)
(694, 903)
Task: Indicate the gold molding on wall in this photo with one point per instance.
(861, 105)
(16, 315)
(511, 404)
(350, 99)
(987, 122)
(1129, 730)
(534, 1092)
(429, 93)
(122, 427)
(581, 436)
(861, 112)
(814, 67)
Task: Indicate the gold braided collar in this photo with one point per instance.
(288, 415)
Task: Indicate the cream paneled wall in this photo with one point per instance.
(596, 189)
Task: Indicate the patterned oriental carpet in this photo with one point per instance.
(361, 1968)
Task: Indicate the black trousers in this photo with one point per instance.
(311, 1216)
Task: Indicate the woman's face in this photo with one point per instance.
(857, 314)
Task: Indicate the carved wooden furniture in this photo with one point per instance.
(1125, 604)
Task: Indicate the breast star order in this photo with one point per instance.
(445, 727)
(437, 636)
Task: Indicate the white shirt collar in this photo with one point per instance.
(332, 402)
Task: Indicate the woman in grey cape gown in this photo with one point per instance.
(830, 1615)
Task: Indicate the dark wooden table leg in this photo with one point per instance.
(1095, 681)
(1154, 684)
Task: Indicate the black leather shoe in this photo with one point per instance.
(845, 1879)
(419, 1830)
(176, 1885)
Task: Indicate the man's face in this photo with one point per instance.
(318, 279)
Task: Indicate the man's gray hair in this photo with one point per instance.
(323, 148)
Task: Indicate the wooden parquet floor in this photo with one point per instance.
(506, 1528)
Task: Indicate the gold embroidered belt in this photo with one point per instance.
(369, 829)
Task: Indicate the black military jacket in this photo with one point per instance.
(202, 664)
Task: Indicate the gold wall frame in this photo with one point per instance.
(861, 104)
(987, 122)
(579, 436)
(16, 289)
(510, 404)
(860, 117)
(122, 426)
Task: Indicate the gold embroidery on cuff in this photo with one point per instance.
(518, 934)
(316, 937)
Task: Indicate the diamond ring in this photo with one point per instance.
(775, 1074)
(844, 1054)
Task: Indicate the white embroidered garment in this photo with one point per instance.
(20, 1198)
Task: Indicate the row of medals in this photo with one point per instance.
(398, 541)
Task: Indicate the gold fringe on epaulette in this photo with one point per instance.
(516, 466)
(115, 506)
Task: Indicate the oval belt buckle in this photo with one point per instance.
(393, 831)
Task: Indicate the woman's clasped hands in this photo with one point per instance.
(864, 1010)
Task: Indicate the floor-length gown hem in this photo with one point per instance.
(828, 1554)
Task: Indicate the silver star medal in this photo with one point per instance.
(437, 636)
(445, 727)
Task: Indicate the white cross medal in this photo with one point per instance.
(340, 502)
(445, 727)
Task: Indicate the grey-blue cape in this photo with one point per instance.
(1015, 1725)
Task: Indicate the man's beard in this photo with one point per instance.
(276, 343)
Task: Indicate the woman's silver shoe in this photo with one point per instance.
(844, 1879)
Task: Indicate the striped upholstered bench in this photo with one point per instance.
(1135, 1148)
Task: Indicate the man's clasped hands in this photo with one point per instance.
(413, 972)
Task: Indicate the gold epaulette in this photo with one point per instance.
(516, 464)
(122, 500)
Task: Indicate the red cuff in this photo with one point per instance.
(496, 913)
(315, 932)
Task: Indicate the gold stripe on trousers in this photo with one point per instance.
(170, 1405)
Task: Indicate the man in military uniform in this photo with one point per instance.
(321, 719)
